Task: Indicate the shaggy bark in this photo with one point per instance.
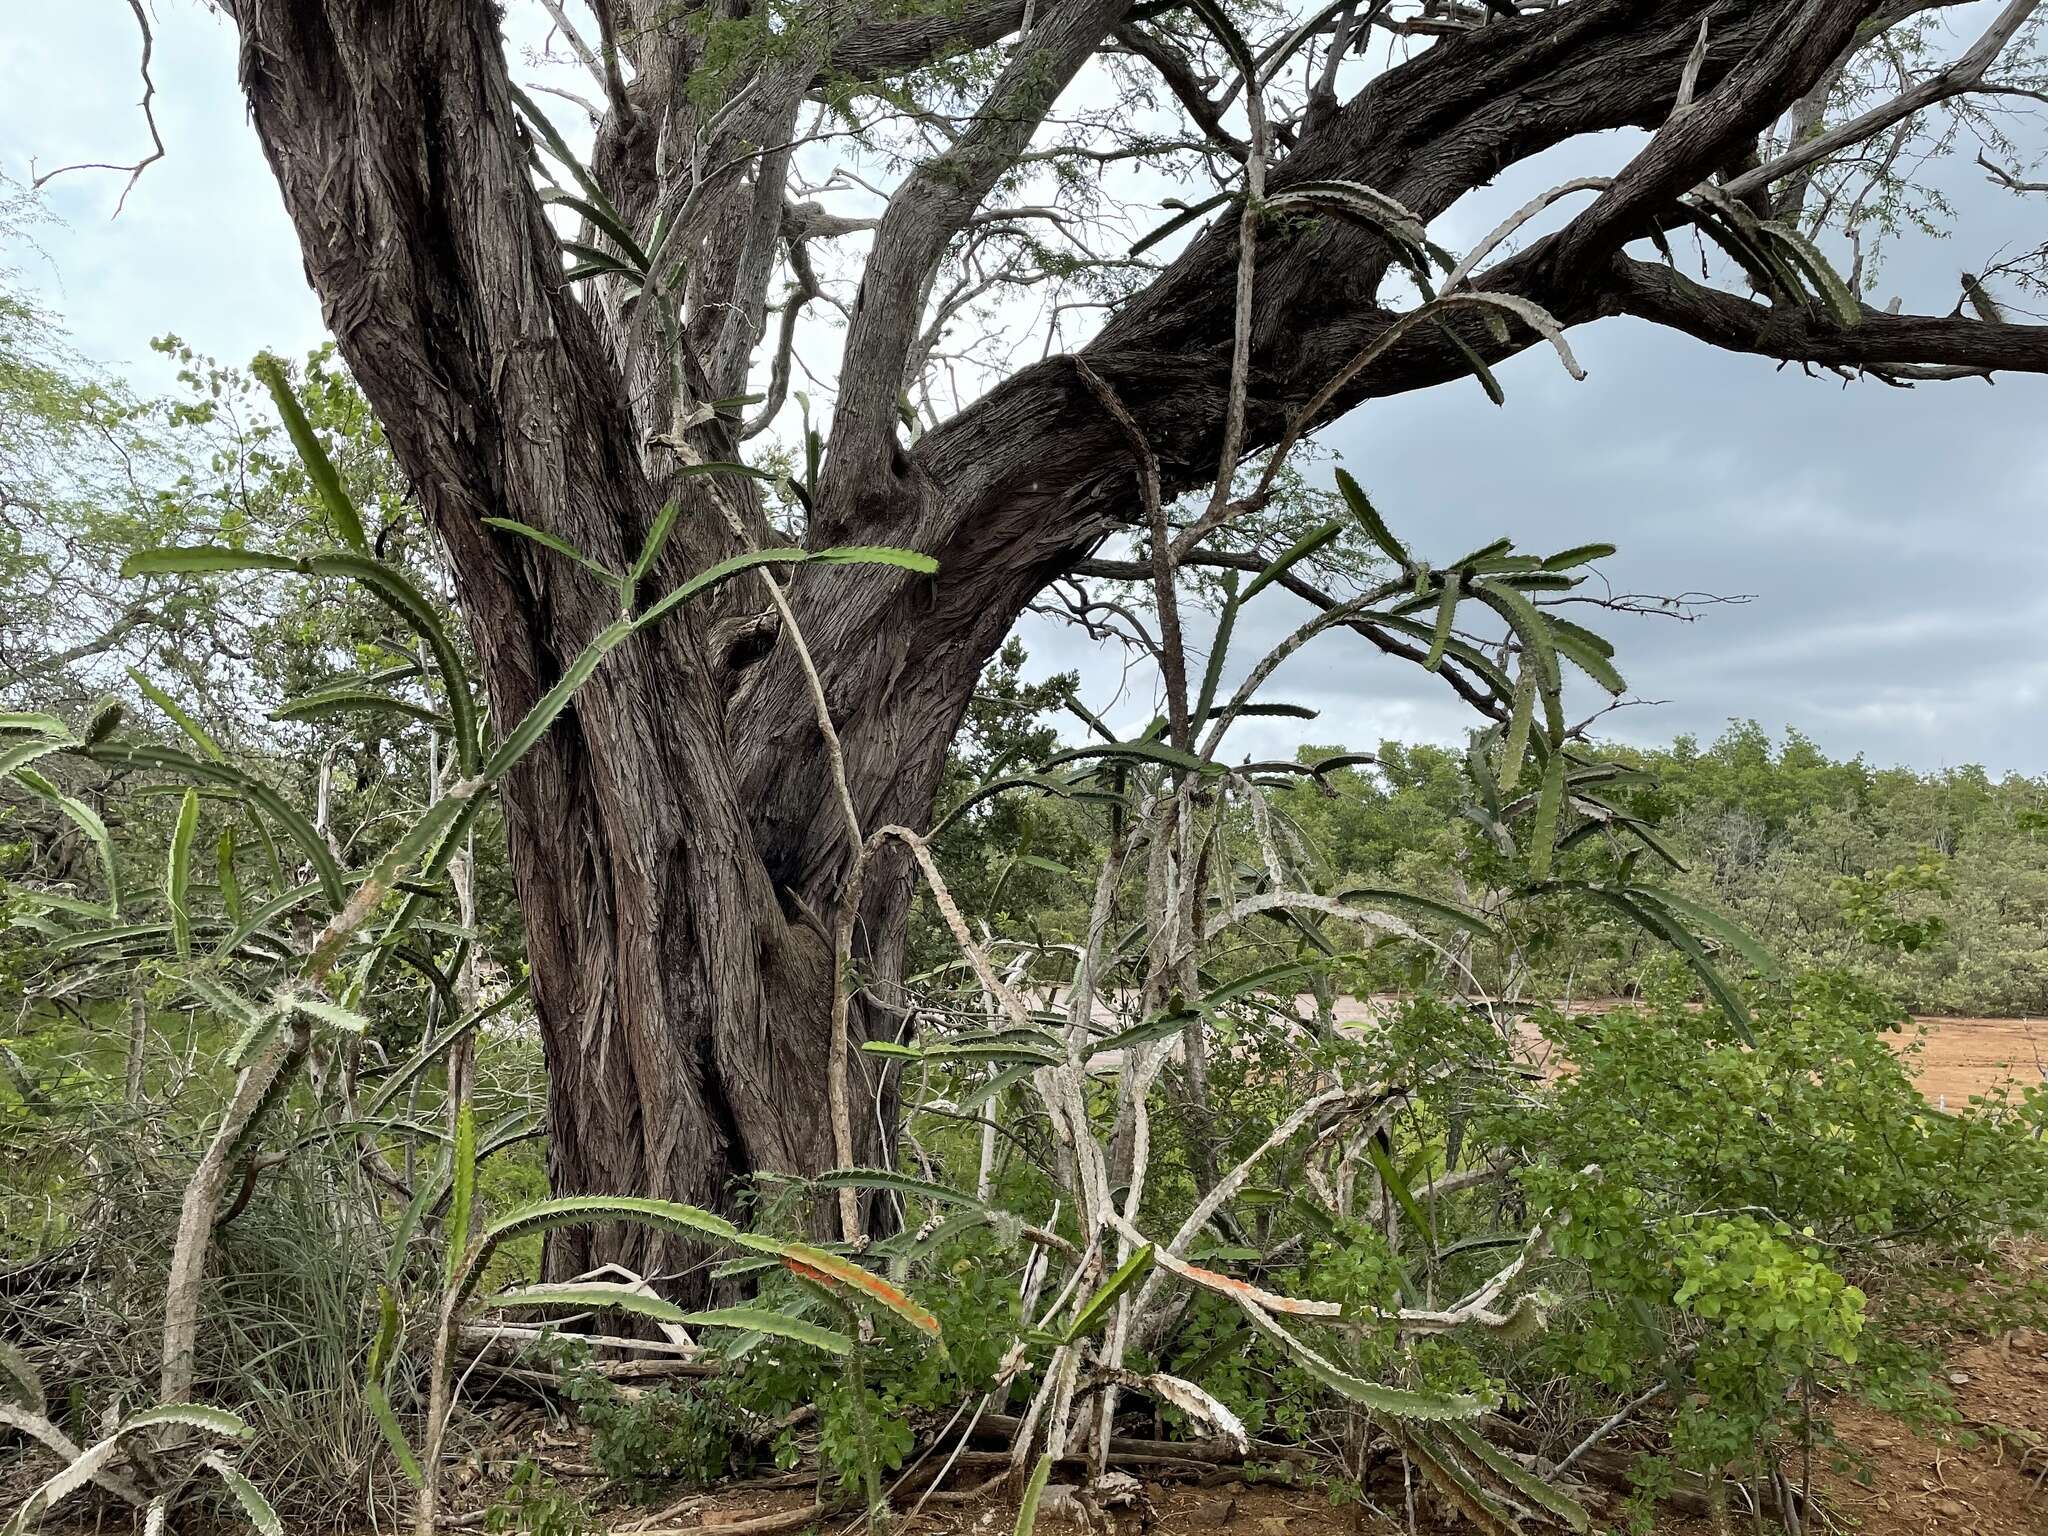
(678, 848)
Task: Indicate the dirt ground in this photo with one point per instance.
(1963, 1057)
(1967, 1056)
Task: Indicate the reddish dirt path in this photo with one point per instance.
(1966, 1056)
(1961, 1056)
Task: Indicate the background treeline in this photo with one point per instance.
(1932, 886)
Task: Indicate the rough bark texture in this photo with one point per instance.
(677, 847)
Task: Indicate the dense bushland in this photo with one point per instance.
(1334, 1252)
(560, 882)
(1932, 885)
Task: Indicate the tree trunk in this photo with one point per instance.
(681, 974)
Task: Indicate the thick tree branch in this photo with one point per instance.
(1805, 334)
(879, 48)
(1178, 72)
(802, 290)
(932, 205)
(574, 39)
(1695, 143)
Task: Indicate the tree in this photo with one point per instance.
(680, 844)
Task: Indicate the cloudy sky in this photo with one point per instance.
(1892, 544)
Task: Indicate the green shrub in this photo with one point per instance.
(1726, 1205)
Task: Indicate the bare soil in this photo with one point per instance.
(1973, 1056)
(1961, 1058)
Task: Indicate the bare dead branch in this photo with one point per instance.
(2008, 179)
(1964, 75)
(148, 105)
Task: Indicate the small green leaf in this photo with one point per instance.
(329, 1013)
(599, 212)
(1218, 21)
(1577, 555)
(1219, 648)
(1292, 556)
(594, 1210)
(1588, 660)
(534, 724)
(548, 541)
(1394, 1402)
(1534, 635)
(1722, 930)
(1034, 1490)
(1834, 293)
(214, 1421)
(1549, 806)
(18, 722)
(87, 821)
(1443, 911)
(886, 1178)
(1138, 751)
(20, 1378)
(877, 554)
(1524, 1482)
(657, 540)
(1475, 362)
(462, 1193)
(384, 1347)
(340, 701)
(409, 603)
(104, 720)
(717, 575)
(224, 874)
(261, 1516)
(394, 1436)
(24, 753)
(1446, 612)
(1397, 1186)
(582, 1295)
(1660, 922)
(204, 559)
(1369, 518)
(1516, 747)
